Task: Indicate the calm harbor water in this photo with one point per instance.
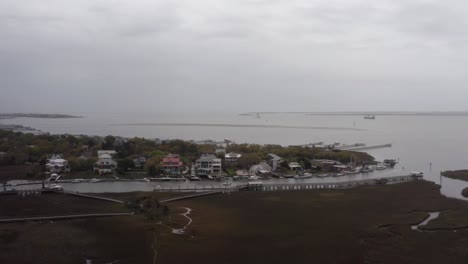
(429, 144)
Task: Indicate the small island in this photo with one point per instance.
(456, 174)
(32, 115)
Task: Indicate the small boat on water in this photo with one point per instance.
(367, 169)
(253, 178)
(369, 117)
(304, 176)
(194, 178)
(381, 166)
(390, 162)
(94, 180)
(54, 187)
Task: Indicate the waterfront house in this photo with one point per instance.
(231, 158)
(294, 166)
(57, 164)
(105, 164)
(139, 162)
(260, 169)
(274, 161)
(326, 165)
(172, 164)
(208, 164)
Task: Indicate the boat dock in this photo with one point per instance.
(259, 186)
(332, 185)
(356, 148)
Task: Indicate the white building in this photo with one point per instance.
(108, 152)
(208, 164)
(105, 164)
(56, 164)
(231, 158)
(294, 166)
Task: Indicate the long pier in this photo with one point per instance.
(94, 197)
(189, 196)
(368, 147)
(61, 217)
(332, 185)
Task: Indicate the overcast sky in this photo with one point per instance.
(233, 56)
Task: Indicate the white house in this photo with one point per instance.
(108, 152)
(294, 166)
(231, 158)
(208, 164)
(105, 164)
(56, 164)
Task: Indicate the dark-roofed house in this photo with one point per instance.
(274, 161)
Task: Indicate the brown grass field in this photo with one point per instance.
(363, 225)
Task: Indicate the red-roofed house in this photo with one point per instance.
(172, 164)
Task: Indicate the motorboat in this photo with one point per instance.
(381, 166)
(194, 178)
(366, 169)
(304, 176)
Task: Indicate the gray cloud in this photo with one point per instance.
(232, 55)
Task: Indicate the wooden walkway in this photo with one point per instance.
(331, 185)
(189, 196)
(94, 197)
(60, 217)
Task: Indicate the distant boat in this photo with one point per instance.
(369, 117)
(381, 166)
(194, 178)
(390, 162)
(367, 169)
(305, 176)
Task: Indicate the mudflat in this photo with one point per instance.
(363, 225)
(370, 224)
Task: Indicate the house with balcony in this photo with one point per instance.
(294, 166)
(57, 164)
(231, 158)
(105, 164)
(208, 164)
(172, 164)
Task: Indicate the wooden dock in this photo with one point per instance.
(331, 185)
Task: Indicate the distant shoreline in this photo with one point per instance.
(363, 113)
(238, 125)
(31, 115)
